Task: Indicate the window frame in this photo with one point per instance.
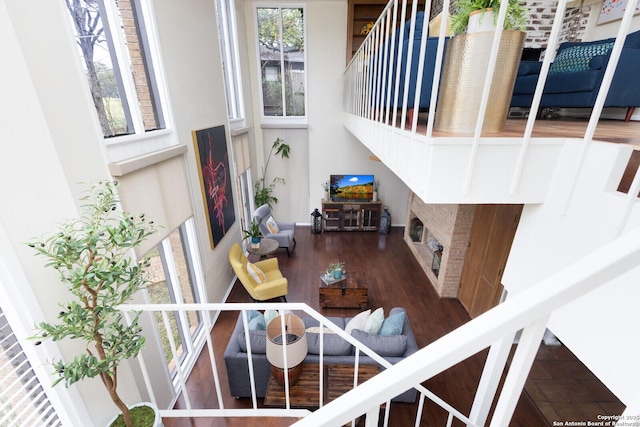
(21, 314)
(195, 341)
(246, 196)
(230, 55)
(268, 121)
(122, 67)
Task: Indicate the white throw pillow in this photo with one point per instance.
(357, 322)
(269, 315)
(374, 322)
(255, 272)
(317, 329)
(272, 225)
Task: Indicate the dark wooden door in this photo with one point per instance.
(492, 233)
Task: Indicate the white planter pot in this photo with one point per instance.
(481, 20)
(157, 422)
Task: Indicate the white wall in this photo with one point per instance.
(334, 150)
(190, 49)
(294, 193)
(594, 31)
(331, 149)
(600, 327)
(49, 147)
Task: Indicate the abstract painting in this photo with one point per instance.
(612, 10)
(215, 179)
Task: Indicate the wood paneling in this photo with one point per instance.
(361, 12)
(492, 233)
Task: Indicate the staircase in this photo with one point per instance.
(527, 312)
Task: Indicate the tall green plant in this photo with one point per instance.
(516, 18)
(93, 255)
(264, 192)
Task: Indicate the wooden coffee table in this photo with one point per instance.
(338, 379)
(348, 293)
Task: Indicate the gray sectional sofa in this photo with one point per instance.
(336, 350)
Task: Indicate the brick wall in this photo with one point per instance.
(451, 226)
(541, 14)
(138, 67)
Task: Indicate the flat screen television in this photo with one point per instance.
(347, 188)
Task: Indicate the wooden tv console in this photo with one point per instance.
(351, 216)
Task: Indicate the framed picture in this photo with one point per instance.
(215, 180)
(612, 10)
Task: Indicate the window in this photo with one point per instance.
(23, 401)
(282, 61)
(230, 61)
(112, 37)
(246, 197)
(26, 394)
(174, 279)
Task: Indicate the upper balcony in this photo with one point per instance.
(460, 147)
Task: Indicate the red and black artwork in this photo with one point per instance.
(215, 179)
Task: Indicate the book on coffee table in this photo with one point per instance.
(328, 279)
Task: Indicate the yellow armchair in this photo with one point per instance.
(275, 285)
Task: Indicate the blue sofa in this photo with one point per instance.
(576, 75)
(429, 65)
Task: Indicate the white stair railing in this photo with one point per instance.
(375, 113)
(207, 311)
(527, 311)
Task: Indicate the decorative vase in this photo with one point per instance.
(296, 347)
(326, 196)
(293, 374)
(337, 274)
(255, 242)
(375, 196)
(463, 75)
(481, 20)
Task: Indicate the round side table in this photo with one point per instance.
(267, 247)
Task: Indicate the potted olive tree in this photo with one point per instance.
(264, 192)
(93, 255)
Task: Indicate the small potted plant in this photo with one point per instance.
(253, 232)
(516, 18)
(336, 270)
(93, 256)
(325, 187)
(264, 192)
(376, 185)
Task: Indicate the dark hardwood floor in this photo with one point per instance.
(394, 279)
